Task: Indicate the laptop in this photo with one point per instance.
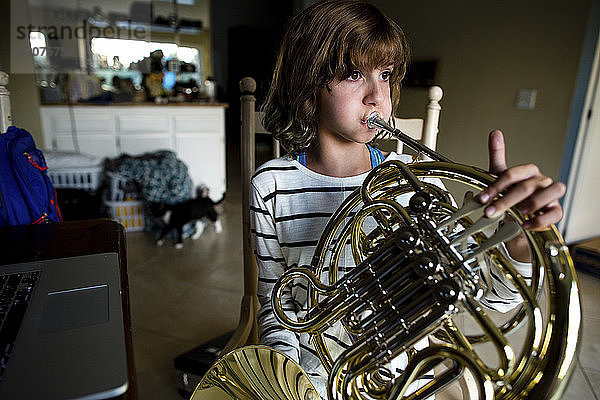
(70, 343)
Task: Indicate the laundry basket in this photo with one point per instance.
(76, 178)
(129, 213)
(73, 170)
(121, 200)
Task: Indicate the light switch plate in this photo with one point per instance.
(526, 99)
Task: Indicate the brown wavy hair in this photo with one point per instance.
(327, 40)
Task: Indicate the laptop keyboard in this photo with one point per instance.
(15, 293)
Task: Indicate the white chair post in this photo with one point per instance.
(5, 116)
(430, 130)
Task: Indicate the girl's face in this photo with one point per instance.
(346, 103)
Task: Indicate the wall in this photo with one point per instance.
(486, 51)
(268, 16)
(245, 36)
(25, 99)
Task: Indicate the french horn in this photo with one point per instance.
(423, 270)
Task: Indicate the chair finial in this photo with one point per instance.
(435, 93)
(247, 85)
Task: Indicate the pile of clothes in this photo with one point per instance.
(158, 177)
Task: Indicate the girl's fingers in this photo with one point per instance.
(542, 198)
(508, 178)
(497, 152)
(524, 185)
(544, 218)
(529, 189)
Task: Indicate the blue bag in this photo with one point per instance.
(27, 195)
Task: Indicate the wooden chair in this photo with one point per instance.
(424, 130)
(251, 125)
(246, 331)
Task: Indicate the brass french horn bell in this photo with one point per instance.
(423, 270)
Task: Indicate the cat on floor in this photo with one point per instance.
(175, 216)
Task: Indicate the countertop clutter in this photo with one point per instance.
(107, 86)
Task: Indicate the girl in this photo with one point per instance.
(339, 62)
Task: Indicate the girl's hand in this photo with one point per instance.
(535, 194)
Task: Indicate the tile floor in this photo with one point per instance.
(182, 298)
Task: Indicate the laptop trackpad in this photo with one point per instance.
(75, 308)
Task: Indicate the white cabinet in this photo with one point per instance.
(98, 145)
(199, 148)
(79, 129)
(195, 132)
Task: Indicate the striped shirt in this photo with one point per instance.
(290, 206)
